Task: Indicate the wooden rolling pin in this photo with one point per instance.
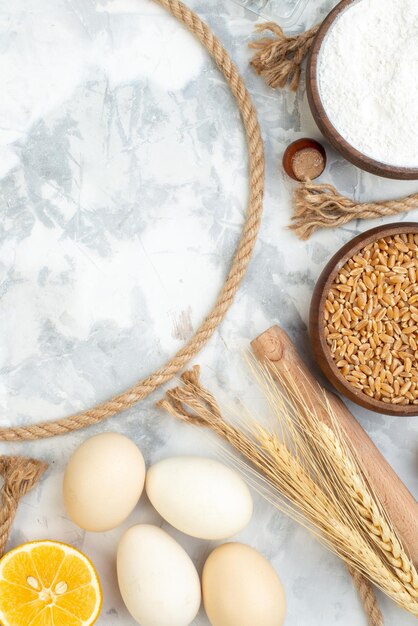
(274, 346)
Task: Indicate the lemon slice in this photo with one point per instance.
(46, 583)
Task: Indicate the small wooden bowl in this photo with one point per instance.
(320, 347)
(297, 147)
(321, 118)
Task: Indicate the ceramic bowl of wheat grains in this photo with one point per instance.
(364, 319)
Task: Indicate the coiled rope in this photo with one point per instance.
(145, 387)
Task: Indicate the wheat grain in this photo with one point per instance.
(380, 281)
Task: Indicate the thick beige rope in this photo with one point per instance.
(19, 475)
(194, 404)
(279, 59)
(321, 206)
(367, 597)
(239, 265)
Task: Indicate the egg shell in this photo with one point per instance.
(103, 481)
(157, 579)
(199, 496)
(240, 587)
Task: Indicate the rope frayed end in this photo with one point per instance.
(20, 474)
(278, 59)
(319, 206)
(190, 402)
(322, 206)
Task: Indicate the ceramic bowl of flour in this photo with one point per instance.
(362, 84)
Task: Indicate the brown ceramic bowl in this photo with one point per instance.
(322, 120)
(320, 347)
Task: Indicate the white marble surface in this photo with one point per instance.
(123, 189)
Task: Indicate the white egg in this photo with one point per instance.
(103, 481)
(157, 579)
(199, 496)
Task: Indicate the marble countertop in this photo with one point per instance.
(123, 188)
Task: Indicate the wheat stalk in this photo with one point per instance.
(370, 513)
(291, 462)
(338, 530)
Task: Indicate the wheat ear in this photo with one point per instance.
(296, 468)
(370, 512)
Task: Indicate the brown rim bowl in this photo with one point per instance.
(322, 120)
(320, 347)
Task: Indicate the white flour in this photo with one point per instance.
(368, 79)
